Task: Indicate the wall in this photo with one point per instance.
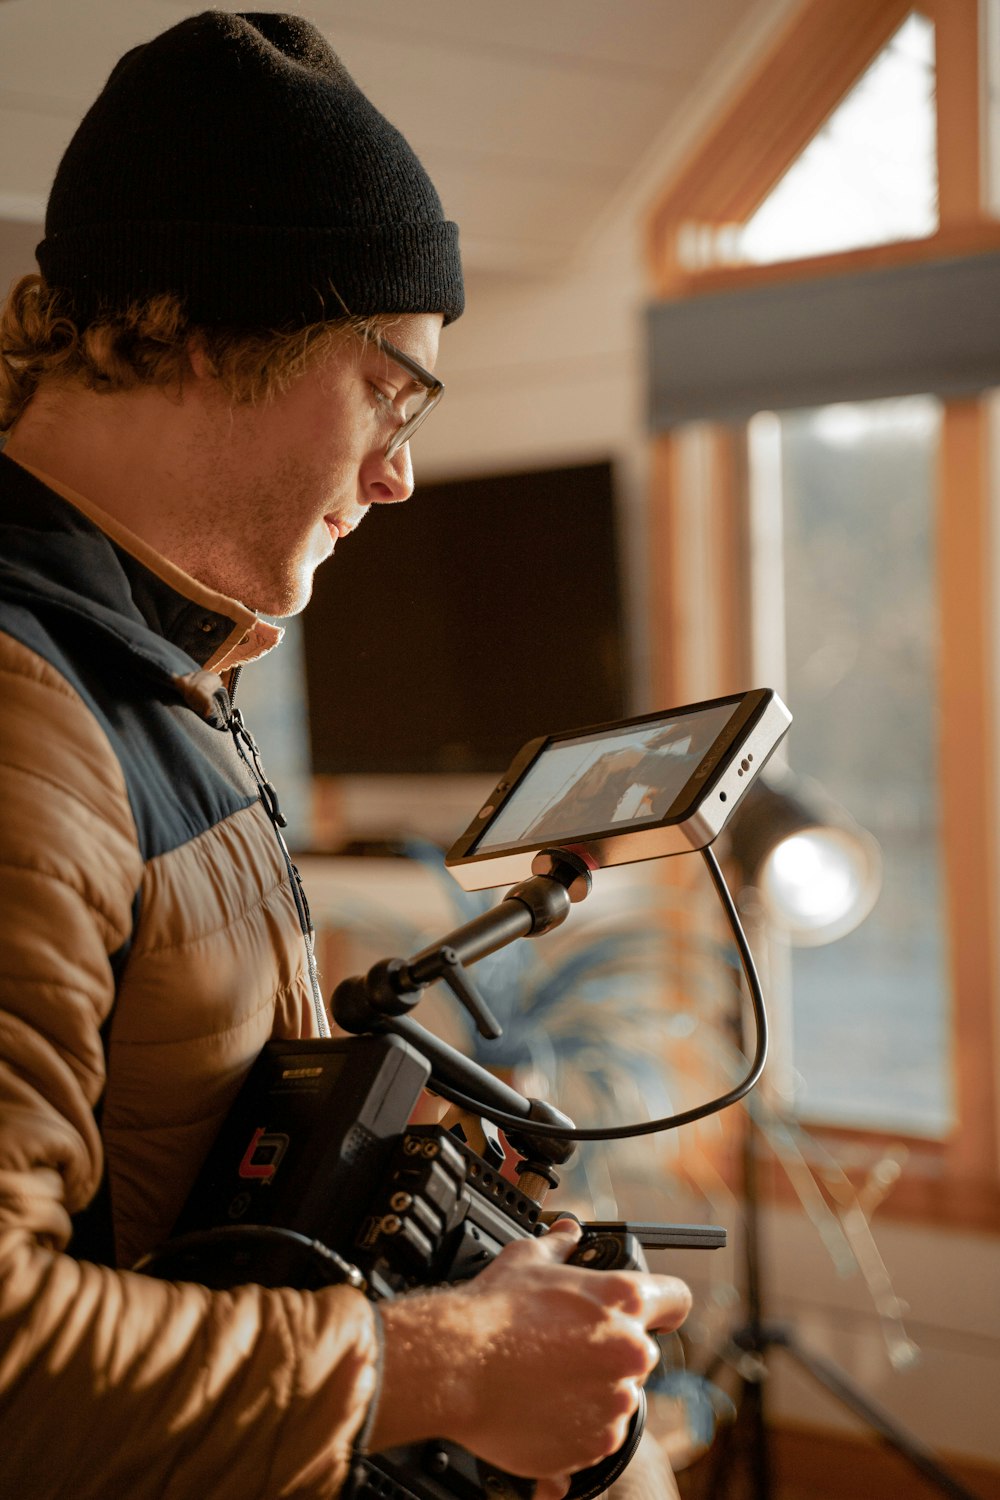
(17, 250)
(548, 371)
(947, 1286)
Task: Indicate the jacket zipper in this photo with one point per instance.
(249, 753)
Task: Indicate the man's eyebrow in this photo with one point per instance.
(410, 383)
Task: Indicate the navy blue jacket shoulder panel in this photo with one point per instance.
(121, 637)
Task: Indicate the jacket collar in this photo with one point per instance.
(62, 536)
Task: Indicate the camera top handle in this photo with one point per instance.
(392, 986)
(381, 999)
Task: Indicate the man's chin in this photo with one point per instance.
(284, 605)
(279, 600)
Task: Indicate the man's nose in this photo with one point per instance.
(385, 481)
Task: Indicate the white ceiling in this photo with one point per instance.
(534, 117)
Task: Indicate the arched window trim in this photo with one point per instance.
(817, 60)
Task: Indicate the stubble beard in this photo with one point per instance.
(255, 560)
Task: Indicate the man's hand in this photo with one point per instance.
(534, 1366)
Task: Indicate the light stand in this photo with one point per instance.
(776, 812)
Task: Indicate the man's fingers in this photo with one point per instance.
(656, 1301)
(553, 1488)
(562, 1238)
(667, 1301)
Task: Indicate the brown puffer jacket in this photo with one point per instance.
(151, 946)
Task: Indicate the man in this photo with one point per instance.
(245, 274)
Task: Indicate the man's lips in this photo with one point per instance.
(337, 528)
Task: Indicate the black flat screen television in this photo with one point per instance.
(450, 629)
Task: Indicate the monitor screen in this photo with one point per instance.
(605, 781)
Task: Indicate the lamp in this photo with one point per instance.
(816, 871)
(815, 875)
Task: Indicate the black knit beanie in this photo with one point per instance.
(234, 162)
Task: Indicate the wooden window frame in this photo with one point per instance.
(820, 54)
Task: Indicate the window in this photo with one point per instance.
(835, 536)
(855, 485)
(856, 649)
(869, 176)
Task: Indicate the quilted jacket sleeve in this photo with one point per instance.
(112, 1384)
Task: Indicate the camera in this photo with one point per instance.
(316, 1177)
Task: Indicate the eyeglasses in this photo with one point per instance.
(433, 390)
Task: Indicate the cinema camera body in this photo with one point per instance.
(317, 1178)
(318, 1175)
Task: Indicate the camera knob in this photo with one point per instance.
(609, 1250)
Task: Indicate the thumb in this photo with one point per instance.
(562, 1238)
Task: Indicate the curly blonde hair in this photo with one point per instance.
(147, 344)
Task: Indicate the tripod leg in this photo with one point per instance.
(719, 1463)
(741, 1450)
(887, 1428)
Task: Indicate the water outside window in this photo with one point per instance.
(871, 1034)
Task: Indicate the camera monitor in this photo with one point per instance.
(617, 793)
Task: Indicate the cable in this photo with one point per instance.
(668, 1122)
(237, 1238)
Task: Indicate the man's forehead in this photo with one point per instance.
(415, 334)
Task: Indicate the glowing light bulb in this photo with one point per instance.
(820, 883)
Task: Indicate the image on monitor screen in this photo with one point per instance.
(600, 782)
